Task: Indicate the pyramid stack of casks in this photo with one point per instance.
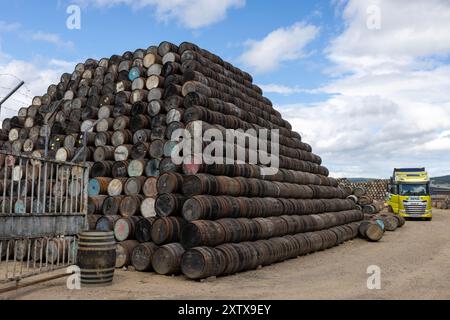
(196, 219)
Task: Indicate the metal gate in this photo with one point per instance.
(43, 205)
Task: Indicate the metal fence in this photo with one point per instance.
(43, 204)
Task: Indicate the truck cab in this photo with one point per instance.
(408, 193)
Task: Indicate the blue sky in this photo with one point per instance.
(119, 28)
(116, 29)
(354, 93)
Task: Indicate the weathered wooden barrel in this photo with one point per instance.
(143, 229)
(169, 182)
(167, 165)
(148, 207)
(203, 207)
(133, 185)
(154, 81)
(149, 189)
(136, 168)
(353, 198)
(167, 259)
(130, 205)
(400, 220)
(58, 250)
(365, 200)
(103, 138)
(152, 168)
(154, 69)
(119, 169)
(124, 228)
(202, 233)
(142, 135)
(121, 137)
(115, 186)
(91, 220)
(64, 154)
(28, 145)
(95, 204)
(71, 141)
(21, 249)
(111, 205)
(202, 262)
(154, 107)
(38, 250)
(121, 123)
(369, 209)
(7, 248)
(371, 230)
(151, 59)
(102, 169)
(105, 111)
(22, 206)
(232, 258)
(106, 223)
(199, 184)
(104, 153)
(122, 152)
(390, 222)
(124, 251)
(98, 186)
(139, 121)
(156, 149)
(96, 257)
(142, 256)
(359, 191)
(167, 230)
(169, 204)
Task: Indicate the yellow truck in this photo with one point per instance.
(409, 193)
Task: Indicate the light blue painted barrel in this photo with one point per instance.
(94, 187)
(380, 223)
(134, 73)
(168, 147)
(19, 207)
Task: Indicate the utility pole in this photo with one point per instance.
(10, 94)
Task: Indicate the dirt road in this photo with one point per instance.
(414, 262)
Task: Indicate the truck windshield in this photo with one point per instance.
(414, 189)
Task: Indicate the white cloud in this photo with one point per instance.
(283, 90)
(8, 27)
(37, 75)
(281, 45)
(390, 102)
(51, 38)
(193, 14)
(442, 142)
(409, 30)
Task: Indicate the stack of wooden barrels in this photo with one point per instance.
(374, 226)
(440, 201)
(121, 113)
(39, 251)
(375, 188)
(363, 200)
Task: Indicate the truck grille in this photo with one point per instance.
(415, 208)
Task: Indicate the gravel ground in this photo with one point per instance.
(414, 262)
